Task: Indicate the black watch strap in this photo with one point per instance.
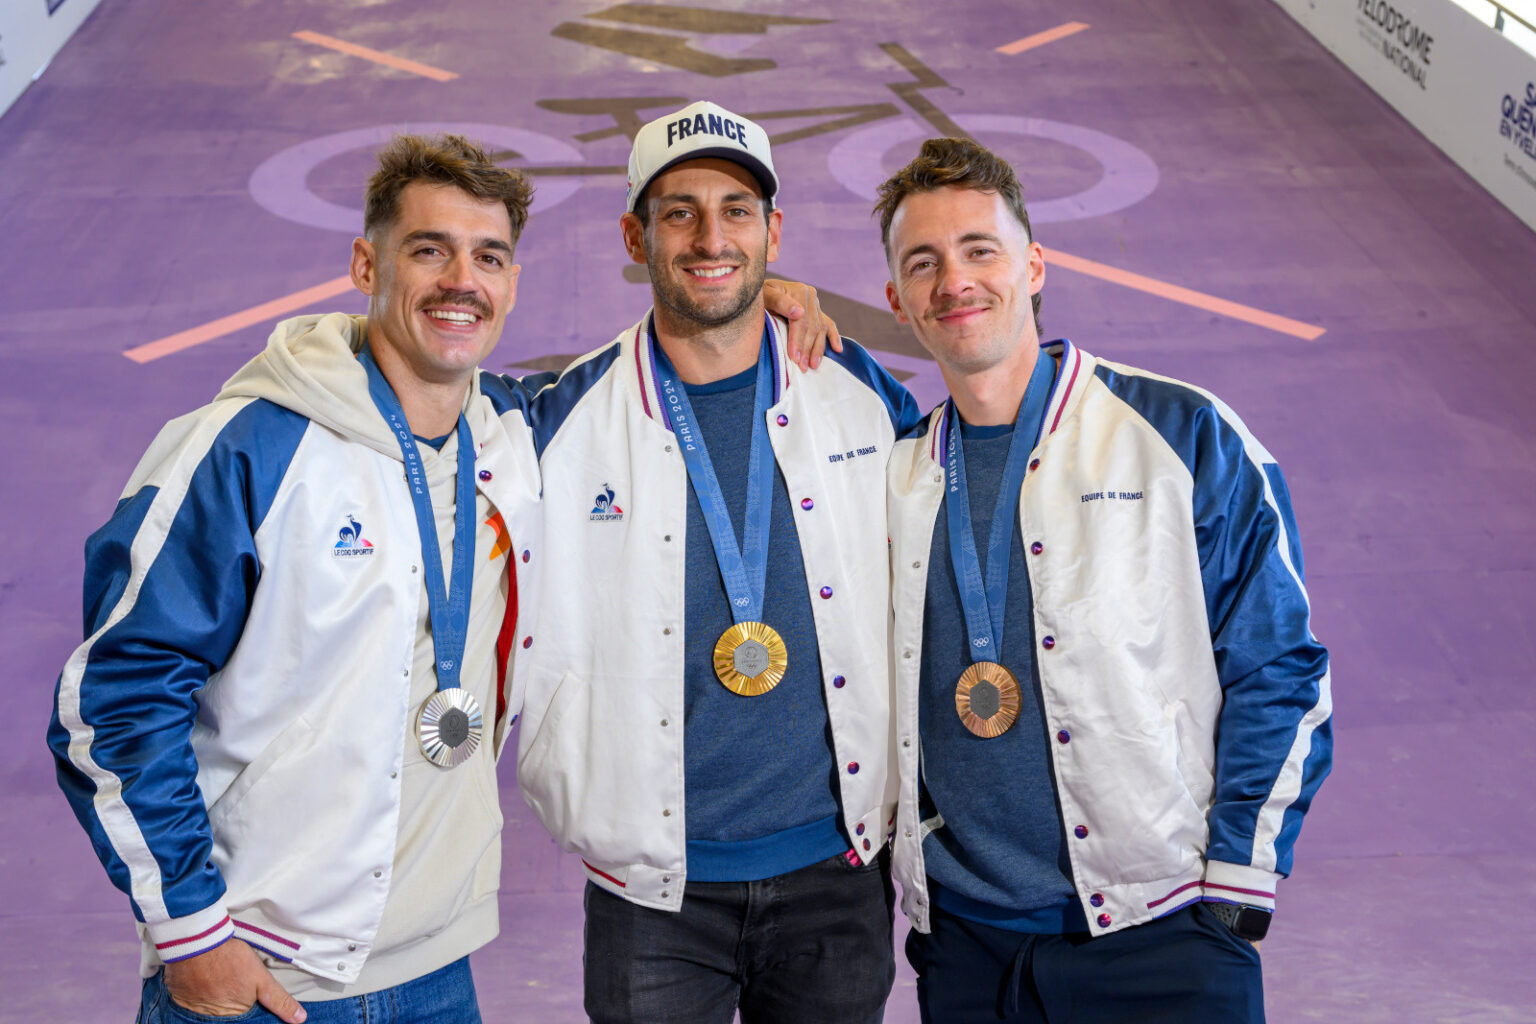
(1251, 923)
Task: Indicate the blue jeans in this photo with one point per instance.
(446, 996)
(805, 947)
(1185, 967)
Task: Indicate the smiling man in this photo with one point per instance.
(279, 732)
(1111, 711)
(280, 729)
(707, 715)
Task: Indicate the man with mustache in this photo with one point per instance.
(1111, 711)
(279, 732)
(707, 709)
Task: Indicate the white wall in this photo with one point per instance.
(31, 32)
(1468, 89)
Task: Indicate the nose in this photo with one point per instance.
(457, 274)
(709, 240)
(954, 280)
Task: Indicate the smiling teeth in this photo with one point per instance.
(455, 318)
(718, 272)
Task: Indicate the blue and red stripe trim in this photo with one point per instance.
(603, 874)
(1183, 888)
(938, 435)
(1244, 892)
(271, 935)
(268, 946)
(193, 938)
(1071, 366)
(1178, 907)
(645, 382)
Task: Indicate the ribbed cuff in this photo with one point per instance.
(183, 937)
(1239, 883)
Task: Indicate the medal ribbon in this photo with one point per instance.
(983, 599)
(447, 607)
(745, 568)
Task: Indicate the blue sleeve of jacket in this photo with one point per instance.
(1274, 743)
(168, 584)
(899, 403)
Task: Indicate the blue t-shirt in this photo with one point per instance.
(1000, 857)
(760, 777)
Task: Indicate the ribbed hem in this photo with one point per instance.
(183, 937)
(477, 925)
(1063, 918)
(778, 853)
(1239, 883)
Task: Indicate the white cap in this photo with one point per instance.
(700, 130)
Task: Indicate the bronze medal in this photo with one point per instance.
(750, 658)
(987, 699)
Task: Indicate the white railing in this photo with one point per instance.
(1514, 19)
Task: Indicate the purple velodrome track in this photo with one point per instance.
(1280, 182)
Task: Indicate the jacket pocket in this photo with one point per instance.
(602, 788)
(544, 771)
(487, 878)
(296, 734)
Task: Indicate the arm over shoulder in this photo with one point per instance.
(899, 403)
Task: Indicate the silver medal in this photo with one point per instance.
(449, 727)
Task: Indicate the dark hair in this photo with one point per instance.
(954, 163)
(442, 160)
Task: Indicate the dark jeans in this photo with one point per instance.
(1185, 967)
(446, 996)
(808, 946)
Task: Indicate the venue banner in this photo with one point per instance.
(31, 32)
(1463, 85)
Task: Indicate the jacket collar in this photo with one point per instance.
(637, 356)
(1075, 367)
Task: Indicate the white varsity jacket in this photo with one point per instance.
(1186, 700)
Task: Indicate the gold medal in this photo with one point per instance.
(449, 727)
(987, 699)
(750, 658)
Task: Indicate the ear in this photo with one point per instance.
(894, 298)
(634, 237)
(365, 268)
(1036, 263)
(517, 270)
(775, 229)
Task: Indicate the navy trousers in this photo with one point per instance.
(1177, 969)
(813, 946)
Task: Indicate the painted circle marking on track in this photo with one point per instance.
(280, 185)
(1130, 175)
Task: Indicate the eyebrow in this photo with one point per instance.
(442, 238)
(969, 236)
(684, 197)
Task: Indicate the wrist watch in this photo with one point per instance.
(1251, 923)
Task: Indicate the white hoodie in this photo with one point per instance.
(260, 626)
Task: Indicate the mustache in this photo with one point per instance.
(728, 256)
(955, 307)
(469, 301)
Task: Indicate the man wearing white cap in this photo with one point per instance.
(707, 711)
